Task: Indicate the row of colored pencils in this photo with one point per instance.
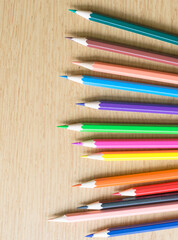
(161, 197)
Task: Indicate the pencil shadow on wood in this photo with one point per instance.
(135, 19)
(111, 198)
(126, 121)
(117, 59)
(100, 136)
(108, 199)
(61, 213)
(150, 100)
(151, 169)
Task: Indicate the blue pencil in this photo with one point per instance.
(124, 85)
(140, 228)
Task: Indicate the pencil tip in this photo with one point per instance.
(116, 194)
(58, 219)
(51, 219)
(63, 76)
(77, 185)
(63, 126)
(89, 236)
(80, 104)
(69, 38)
(76, 62)
(83, 207)
(77, 143)
(84, 156)
(72, 10)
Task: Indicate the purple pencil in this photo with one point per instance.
(132, 107)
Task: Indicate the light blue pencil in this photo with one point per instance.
(124, 85)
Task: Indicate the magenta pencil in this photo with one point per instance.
(130, 143)
(127, 50)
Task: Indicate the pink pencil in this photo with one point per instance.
(131, 143)
(118, 212)
(126, 50)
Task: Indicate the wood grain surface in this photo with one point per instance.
(38, 163)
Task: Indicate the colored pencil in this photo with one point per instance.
(150, 189)
(130, 143)
(157, 176)
(134, 155)
(132, 107)
(134, 201)
(118, 212)
(122, 128)
(124, 85)
(112, 22)
(127, 50)
(162, 77)
(140, 228)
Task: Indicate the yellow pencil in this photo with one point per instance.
(134, 155)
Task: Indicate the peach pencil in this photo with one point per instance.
(157, 76)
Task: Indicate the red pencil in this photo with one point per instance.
(127, 50)
(150, 189)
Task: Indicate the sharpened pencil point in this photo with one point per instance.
(116, 194)
(69, 38)
(81, 104)
(89, 236)
(63, 126)
(58, 219)
(51, 219)
(83, 207)
(63, 76)
(76, 62)
(72, 10)
(77, 185)
(84, 156)
(77, 143)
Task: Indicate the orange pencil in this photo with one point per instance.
(163, 77)
(131, 179)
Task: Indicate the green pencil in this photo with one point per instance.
(122, 128)
(131, 27)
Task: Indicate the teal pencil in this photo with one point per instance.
(145, 31)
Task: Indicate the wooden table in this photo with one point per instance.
(38, 163)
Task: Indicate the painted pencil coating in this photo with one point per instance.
(133, 229)
(132, 107)
(135, 155)
(118, 212)
(123, 128)
(130, 143)
(125, 85)
(122, 70)
(157, 176)
(127, 50)
(134, 201)
(150, 189)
